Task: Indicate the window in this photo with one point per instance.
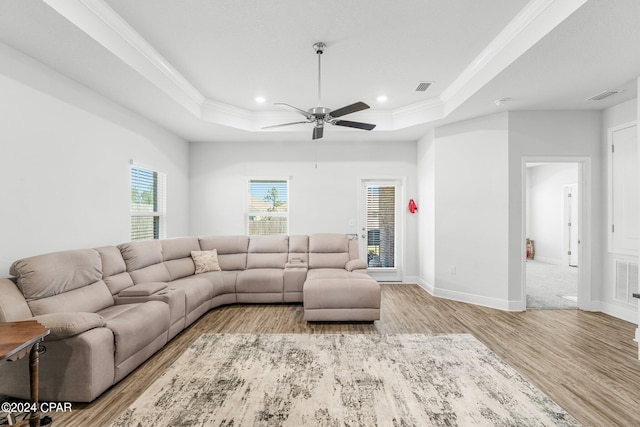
(268, 207)
(148, 194)
(381, 226)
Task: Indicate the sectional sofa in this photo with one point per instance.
(110, 308)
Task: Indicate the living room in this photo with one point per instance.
(70, 140)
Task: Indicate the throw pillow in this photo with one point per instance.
(205, 261)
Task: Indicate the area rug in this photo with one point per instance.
(341, 380)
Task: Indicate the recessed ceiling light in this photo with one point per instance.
(382, 98)
(260, 99)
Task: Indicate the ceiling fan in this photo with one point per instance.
(320, 115)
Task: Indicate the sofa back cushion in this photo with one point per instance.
(232, 250)
(144, 261)
(299, 248)
(328, 250)
(114, 269)
(63, 281)
(176, 254)
(267, 251)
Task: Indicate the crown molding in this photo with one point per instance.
(100, 22)
(536, 20)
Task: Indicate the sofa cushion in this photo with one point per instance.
(232, 250)
(55, 273)
(114, 269)
(205, 261)
(267, 251)
(152, 273)
(328, 251)
(134, 326)
(112, 261)
(179, 268)
(261, 280)
(141, 254)
(198, 291)
(328, 243)
(65, 325)
(180, 247)
(224, 282)
(298, 248)
(91, 298)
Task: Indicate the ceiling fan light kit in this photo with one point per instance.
(320, 115)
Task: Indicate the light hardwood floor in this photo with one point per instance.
(586, 362)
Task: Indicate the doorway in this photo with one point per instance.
(552, 228)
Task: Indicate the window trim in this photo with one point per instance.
(286, 215)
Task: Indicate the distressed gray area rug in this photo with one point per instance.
(341, 380)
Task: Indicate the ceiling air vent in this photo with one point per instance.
(422, 86)
(602, 95)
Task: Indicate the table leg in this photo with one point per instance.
(34, 361)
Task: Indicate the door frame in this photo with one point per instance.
(571, 222)
(384, 274)
(584, 225)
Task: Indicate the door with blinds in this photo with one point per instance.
(380, 240)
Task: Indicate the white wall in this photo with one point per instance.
(546, 209)
(322, 198)
(426, 211)
(568, 135)
(617, 115)
(471, 211)
(64, 170)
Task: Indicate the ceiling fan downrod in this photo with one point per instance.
(319, 48)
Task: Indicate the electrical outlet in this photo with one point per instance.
(452, 270)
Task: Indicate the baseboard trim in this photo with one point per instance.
(626, 314)
(425, 285)
(480, 300)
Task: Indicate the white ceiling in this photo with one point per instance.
(195, 67)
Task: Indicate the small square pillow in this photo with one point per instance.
(205, 261)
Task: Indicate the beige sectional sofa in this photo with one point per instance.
(110, 308)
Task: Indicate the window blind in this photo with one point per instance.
(268, 207)
(148, 202)
(381, 226)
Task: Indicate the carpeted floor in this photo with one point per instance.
(341, 380)
(550, 285)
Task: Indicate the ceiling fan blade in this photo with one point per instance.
(318, 131)
(357, 125)
(358, 106)
(304, 113)
(285, 124)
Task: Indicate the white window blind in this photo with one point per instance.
(148, 203)
(268, 206)
(381, 226)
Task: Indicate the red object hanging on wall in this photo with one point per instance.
(412, 206)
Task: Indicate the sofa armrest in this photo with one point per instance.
(355, 264)
(13, 306)
(68, 324)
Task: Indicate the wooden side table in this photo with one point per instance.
(16, 338)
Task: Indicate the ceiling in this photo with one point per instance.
(196, 67)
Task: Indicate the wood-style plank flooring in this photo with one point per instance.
(586, 362)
